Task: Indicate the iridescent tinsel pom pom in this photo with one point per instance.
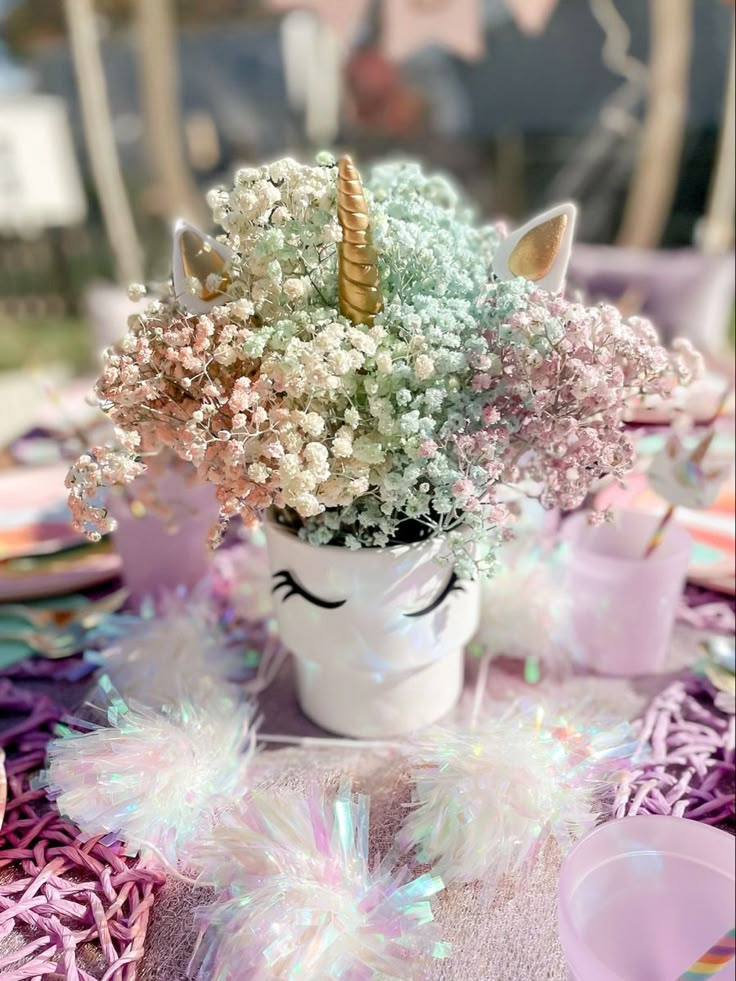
(303, 901)
(179, 653)
(487, 799)
(155, 780)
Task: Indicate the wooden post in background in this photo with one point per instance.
(654, 181)
(157, 52)
(717, 230)
(100, 141)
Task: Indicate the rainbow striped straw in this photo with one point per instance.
(658, 533)
(713, 959)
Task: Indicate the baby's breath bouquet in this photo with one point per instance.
(388, 422)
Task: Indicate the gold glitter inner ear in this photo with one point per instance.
(535, 253)
(201, 261)
(359, 284)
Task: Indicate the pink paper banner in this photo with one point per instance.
(343, 16)
(409, 25)
(531, 16)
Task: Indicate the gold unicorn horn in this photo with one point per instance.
(359, 284)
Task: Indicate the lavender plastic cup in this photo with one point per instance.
(156, 559)
(623, 606)
(642, 898)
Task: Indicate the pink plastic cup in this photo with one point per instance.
(155, 558)
(642, 898)
(623, 606)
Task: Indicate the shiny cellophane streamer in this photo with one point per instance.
(155, 780)
(71, 909)
(487, 799)
(524, 609)
(302, 899)
(180, 652)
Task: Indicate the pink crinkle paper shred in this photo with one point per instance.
(69, 908)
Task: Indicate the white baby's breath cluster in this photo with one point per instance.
(282, 224)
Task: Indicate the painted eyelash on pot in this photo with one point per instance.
(453, 586)
(294, 589)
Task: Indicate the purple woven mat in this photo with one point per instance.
(76, 909)
(705, 609)
(690, 772)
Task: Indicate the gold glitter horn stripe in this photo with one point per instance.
(359, 284)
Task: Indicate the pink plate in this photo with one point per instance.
(33, 578)
(34, 519)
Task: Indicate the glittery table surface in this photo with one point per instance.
(508, 938)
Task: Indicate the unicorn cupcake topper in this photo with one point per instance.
(685, 478)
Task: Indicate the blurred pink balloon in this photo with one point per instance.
(343, 16)
(457, 25)
(531, 16)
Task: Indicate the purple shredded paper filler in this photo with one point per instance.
(688, 769)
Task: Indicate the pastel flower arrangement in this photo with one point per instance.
(377, 433)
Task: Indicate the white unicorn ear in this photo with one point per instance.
(201, 257)
(540, 250)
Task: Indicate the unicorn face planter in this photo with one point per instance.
(370, 369)
(378, 634)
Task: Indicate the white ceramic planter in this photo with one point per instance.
(378, 635)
